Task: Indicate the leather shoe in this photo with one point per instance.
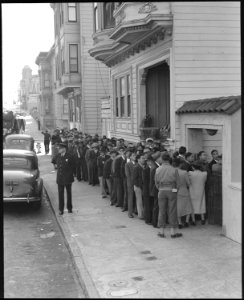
(176, 235)
(61, 213)
(180, 226)
(70, 211)
(130, 216)
(124, 209)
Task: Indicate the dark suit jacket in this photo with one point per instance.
(137, 176)
(152, 188)
(122, 169)
(212, 162)
(65, 168)
(100, 164)
(117, 167)
(107, 168)
(129, 173)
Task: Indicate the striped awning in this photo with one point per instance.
(227, 105)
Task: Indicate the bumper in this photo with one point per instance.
(21, 199)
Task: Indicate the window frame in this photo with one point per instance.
(69, 6)
(105, 24)
(124, 112)
(70, 58)
(65, 104)
(95, 16)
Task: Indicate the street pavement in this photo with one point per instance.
(119, 257)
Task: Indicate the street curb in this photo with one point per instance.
(83, 275)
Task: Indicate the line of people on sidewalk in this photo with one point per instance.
(160, 187)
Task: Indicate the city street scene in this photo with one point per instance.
(122, 150)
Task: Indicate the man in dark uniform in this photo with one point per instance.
(65, 169)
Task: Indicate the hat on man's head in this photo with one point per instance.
(94, 145)
(149, 140)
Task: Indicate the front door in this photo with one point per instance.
(158, 95)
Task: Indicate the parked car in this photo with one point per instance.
(19, 141)
(21, 177)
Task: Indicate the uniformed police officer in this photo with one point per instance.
(65, 169)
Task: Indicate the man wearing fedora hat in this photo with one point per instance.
(65, 175)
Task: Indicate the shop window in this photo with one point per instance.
(73, 58)
(72, 12)
(108, 19)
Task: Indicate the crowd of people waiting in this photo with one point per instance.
(162, 188)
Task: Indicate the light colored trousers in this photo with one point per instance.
(139, 205)
(102, 185)
(108, 181)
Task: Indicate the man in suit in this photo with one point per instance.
(126, 158)
(138, 184)
(65, 176)
(77, 156)
(129, 166)
(100, 166)
(117, 179)
(153, 189)
(107, 174)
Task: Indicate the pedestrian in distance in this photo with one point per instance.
(39, 124)
(65, 176)
(47, 139)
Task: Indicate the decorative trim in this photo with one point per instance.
(146, 8)
(120, 17)
(144, 77)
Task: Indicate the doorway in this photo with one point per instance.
(208, 139)
(158, 95)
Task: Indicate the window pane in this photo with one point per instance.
(72, 12)
(128, 106)
(117, 107)
(122, 106)
(128, 84)
(73, 50)
(108, 10)
(122, 86)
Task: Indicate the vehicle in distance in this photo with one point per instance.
(19, 141)
(21, 177)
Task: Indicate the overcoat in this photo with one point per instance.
(65, 168)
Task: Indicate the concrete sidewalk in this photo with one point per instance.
(116, 256)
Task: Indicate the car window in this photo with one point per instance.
(15, 163)
(19, 144)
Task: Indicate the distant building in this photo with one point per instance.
(79, 81)
(163, 54)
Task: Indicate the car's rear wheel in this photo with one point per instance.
(38, 204)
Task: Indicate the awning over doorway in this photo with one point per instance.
(227, 105)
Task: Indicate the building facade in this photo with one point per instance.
(163, 54)
(80, 81)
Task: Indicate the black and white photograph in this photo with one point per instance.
(122, 150)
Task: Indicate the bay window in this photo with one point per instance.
(122, 88)
(73, 58)
(72, 12)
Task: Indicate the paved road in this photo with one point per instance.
(37, 263)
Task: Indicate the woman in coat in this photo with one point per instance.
(198, 179)
(184, 205)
